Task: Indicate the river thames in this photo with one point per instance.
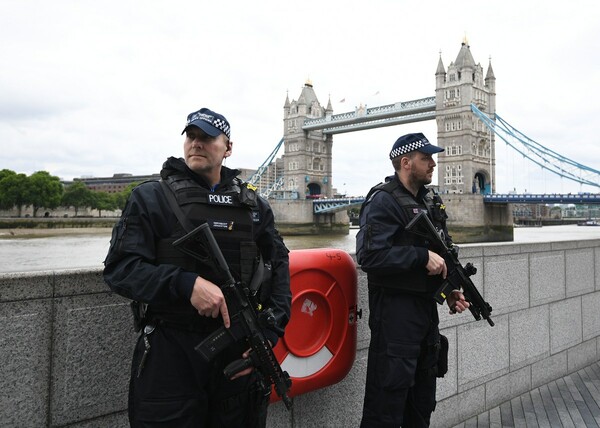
(88, 250)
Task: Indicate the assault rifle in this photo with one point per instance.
(458, 276)
(246, 320)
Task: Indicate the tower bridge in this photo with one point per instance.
(299, 183)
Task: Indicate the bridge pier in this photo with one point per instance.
(469, 219)
(472, 220)
(292, 217)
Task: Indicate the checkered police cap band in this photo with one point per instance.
(204, 117)
(408, 147)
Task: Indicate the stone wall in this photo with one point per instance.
(66, 342)
(295, 217)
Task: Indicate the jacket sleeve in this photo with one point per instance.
(131, 268)
(381, 224)
(272, 247)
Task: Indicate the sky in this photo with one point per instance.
(104, 87)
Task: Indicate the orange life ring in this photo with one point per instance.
(319, 345)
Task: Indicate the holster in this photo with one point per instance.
(139, 315)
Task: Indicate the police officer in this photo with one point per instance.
(403, 274)
(178, 301)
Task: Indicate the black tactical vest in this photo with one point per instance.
(414, 281)
(230, 215)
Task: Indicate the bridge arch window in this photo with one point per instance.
(453, 175)
(482, 148)
(453, 150)
(292, 184)
(317, 165)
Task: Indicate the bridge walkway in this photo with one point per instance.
(570, 402)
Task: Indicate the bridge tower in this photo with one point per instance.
(307, 161)
(468, 163)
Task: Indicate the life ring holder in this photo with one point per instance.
(319, 344)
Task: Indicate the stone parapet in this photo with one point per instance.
(67, 342)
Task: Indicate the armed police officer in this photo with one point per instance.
(403, 275)
(178, 301)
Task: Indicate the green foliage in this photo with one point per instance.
(45, 191)
(77, 195)
(121, 197)
(14, 190)
(103, 201)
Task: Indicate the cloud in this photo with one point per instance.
(99, 88)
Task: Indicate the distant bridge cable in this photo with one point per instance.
(546, 158)
(261, 169)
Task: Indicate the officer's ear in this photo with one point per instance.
(229, 149)
(405, 162)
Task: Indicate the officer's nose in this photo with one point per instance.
(197, 143)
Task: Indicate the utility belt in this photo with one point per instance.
(144, 315)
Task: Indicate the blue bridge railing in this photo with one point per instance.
(553, 198)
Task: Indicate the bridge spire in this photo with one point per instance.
(440, 67)
(490, 72)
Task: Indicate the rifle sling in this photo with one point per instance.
(185, 223)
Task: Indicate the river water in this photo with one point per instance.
(88, 250)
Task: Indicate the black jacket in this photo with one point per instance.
(131, 267)
(392, 257)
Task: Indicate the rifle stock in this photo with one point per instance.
(246, 321)
(458, 276)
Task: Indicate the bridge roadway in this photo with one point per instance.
(321, 206)
(374, 117)
(571, 401)
(552, 198)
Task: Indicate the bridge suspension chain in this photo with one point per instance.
(265, 165)
(535, 152)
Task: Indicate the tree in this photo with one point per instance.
(5, 173)
(77, 195)
(14, 189)
(103, 201)
(121, 197)
(45, 190)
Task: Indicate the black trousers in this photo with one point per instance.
(177, 388)
(401, 380)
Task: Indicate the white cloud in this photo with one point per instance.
(95, 88)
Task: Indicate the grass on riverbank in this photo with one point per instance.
(43, 227)
(45, 233)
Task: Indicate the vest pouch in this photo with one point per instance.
(442, 364)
